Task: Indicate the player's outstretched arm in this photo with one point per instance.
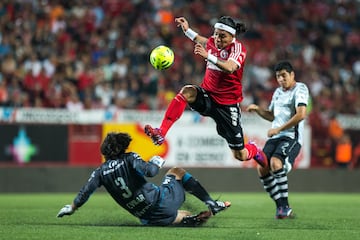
(266, 114)
(191, 34)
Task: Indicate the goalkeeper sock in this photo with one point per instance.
(173, 113)
(193, 186)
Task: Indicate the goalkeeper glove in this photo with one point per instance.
(158, 161)
(66, 210)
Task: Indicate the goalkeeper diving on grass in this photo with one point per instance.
(123, 176)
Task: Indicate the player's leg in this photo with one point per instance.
(170, 198)
(251, 151)
(174, 111)
(184, 218)
(228, 126)
(266, 177)
(286, 149)
(269, 184)
(172, 194)
(273, 180)
(193, 186)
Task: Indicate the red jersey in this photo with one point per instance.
(225, 88)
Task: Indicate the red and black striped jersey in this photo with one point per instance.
(225, 88)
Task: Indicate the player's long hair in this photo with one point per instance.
(239, 26)
(114, 145)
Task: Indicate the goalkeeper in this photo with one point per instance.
(123, 176)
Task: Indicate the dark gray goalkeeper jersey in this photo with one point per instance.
(125, 181)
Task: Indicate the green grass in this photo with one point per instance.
(251, 216)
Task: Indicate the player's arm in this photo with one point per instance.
(147, 168)
(83, 195)
(264, 113)
(191, 34)
(299, 116)
(228, 66)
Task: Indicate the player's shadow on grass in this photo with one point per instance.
(97, 224)
(124, 224)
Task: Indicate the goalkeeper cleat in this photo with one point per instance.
(260, 156)
(284, 212)
(196, 220)
(218, 206)
(154, 134)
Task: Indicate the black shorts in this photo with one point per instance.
(284, 148)
(171, 197)
(226, 117)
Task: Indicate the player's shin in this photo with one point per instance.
(173, 113)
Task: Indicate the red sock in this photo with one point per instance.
(252, 150)
(173, 113)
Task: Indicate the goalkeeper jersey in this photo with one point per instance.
(125, 181)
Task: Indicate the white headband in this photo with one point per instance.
(225, 28)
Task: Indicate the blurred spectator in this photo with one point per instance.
(356, 156)
(5, 45)
(335, 133)
(4, 96)
(74, 104)
(104, 92)
(335, 130)
(343, 154)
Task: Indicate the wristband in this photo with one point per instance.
(191, 34)
(158, 161)
(211, 58)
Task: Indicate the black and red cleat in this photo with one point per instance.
(260, 156)
(154, 134)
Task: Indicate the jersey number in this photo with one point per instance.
(122, 184)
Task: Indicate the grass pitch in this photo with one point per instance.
(318, 216)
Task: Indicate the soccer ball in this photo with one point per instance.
(161, 57)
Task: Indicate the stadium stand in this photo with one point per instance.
(88, 54)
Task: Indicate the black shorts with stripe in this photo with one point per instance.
(171, 198)
(284, 148)
(226, 117)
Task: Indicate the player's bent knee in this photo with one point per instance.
(189, 92)
(177, 172)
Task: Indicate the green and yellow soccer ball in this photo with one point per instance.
(161, 57)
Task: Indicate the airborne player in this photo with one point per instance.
(220, 93)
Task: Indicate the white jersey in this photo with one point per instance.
(283, 104)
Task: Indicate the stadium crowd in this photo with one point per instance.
(86, 54)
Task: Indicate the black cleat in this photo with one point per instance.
(218, 206)
(196, 220)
